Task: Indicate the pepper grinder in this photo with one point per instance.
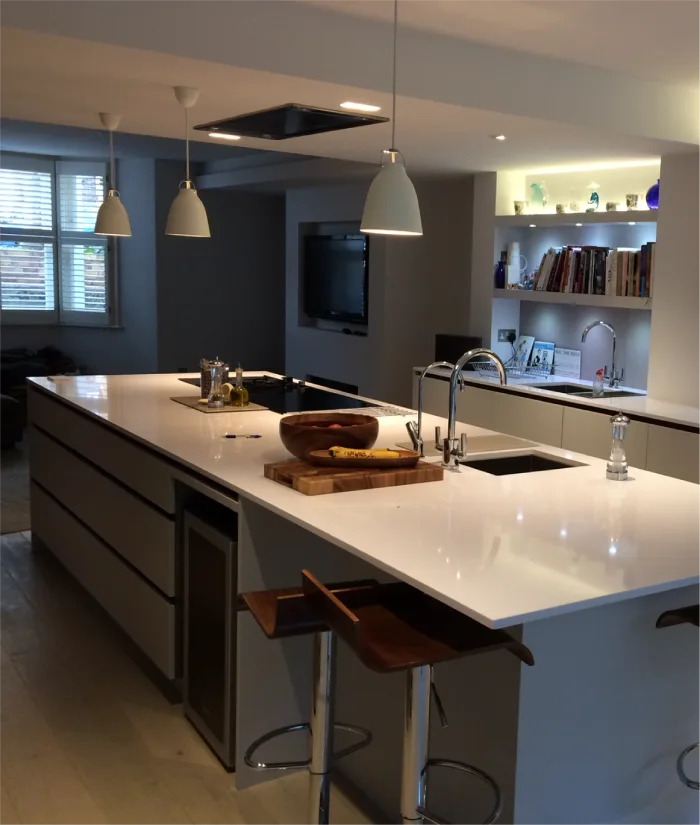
(617, 464)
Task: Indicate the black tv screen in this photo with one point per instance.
(336, 272)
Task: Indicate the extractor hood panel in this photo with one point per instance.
(289, 120)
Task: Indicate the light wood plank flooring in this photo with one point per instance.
(87, 738)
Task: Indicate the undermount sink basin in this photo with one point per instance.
(582, 392)
(610, 394)
(515, 464)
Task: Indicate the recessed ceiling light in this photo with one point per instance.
(224, 136)
(498, 137)
(359, 107)
(533, 225)
(579, 224)
(632, 223)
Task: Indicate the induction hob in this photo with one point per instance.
(283, 396)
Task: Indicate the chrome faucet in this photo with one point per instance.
(415, 428)
(613, 379)
(452, 448)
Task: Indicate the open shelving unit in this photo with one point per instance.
(574, 299)
(573, 218)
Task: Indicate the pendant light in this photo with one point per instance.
(391, 206)
(112, 218)
(187, 215)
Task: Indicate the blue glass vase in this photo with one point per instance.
(653, 196)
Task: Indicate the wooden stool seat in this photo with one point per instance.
(397, 627)
(289, 612)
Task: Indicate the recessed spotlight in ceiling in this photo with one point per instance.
(498, 137)
(224, 136)
(579, 224)
(359, 107)
(632, 223)
(533, 225)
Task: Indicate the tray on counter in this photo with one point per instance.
(193, 402)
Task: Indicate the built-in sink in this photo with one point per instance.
(581, 391)
(514, 464)
(610, 394)
(569, 389)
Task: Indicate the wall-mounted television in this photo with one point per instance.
(336, 277)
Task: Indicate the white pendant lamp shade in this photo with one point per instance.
(112, 218)
(391, 206)
(187, 215)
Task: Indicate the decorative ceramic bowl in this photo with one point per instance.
(305, 432)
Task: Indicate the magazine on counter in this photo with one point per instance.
(542, 356)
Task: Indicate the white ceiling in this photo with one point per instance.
(246, 56)
(652, 39)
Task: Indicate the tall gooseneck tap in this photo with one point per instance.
(613, 379)
(452, 451)
(415, 428)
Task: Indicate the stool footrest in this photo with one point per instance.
(364, 734)
(680, 768)
(462, 766)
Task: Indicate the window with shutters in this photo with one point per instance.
(53, 268)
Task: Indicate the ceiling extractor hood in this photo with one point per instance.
(288, 121)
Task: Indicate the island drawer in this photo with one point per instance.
(134, 466)
(133, 528)
(147, 617)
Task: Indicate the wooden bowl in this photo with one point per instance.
(310, 431)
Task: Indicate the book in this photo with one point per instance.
(542, 356)
(523, 349)
(567, 362)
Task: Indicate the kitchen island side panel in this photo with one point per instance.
(604, 714)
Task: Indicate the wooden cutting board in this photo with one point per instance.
(316, 481)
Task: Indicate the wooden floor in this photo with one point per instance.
(14, 488)
(86, 737)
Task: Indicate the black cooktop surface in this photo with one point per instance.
(283, 396)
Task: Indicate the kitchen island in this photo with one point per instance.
(576, 566)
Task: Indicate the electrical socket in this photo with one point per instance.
(506, 336)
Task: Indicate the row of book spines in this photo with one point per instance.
(597, 271)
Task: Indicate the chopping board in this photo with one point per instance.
(317, 481)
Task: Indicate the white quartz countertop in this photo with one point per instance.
(639, 404)
(502, 549)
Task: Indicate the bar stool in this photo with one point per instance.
(283, 614)
(683, 615)
(400, 628)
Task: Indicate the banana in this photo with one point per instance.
(346, 452)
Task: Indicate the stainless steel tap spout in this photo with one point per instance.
(614, 378)
(452, 450)
(415, 428)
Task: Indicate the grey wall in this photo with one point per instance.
(223, 295)
(418, 287)
(181, 298)
(563, 324)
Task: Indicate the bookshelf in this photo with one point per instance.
(574, 299)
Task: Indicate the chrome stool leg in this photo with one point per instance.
(415, 743)
(321, 728)
(415, 762)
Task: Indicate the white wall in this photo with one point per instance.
(673, 360)
(417, 288)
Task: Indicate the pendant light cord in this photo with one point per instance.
(187, 144)
(393, 85)
(112, 177)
